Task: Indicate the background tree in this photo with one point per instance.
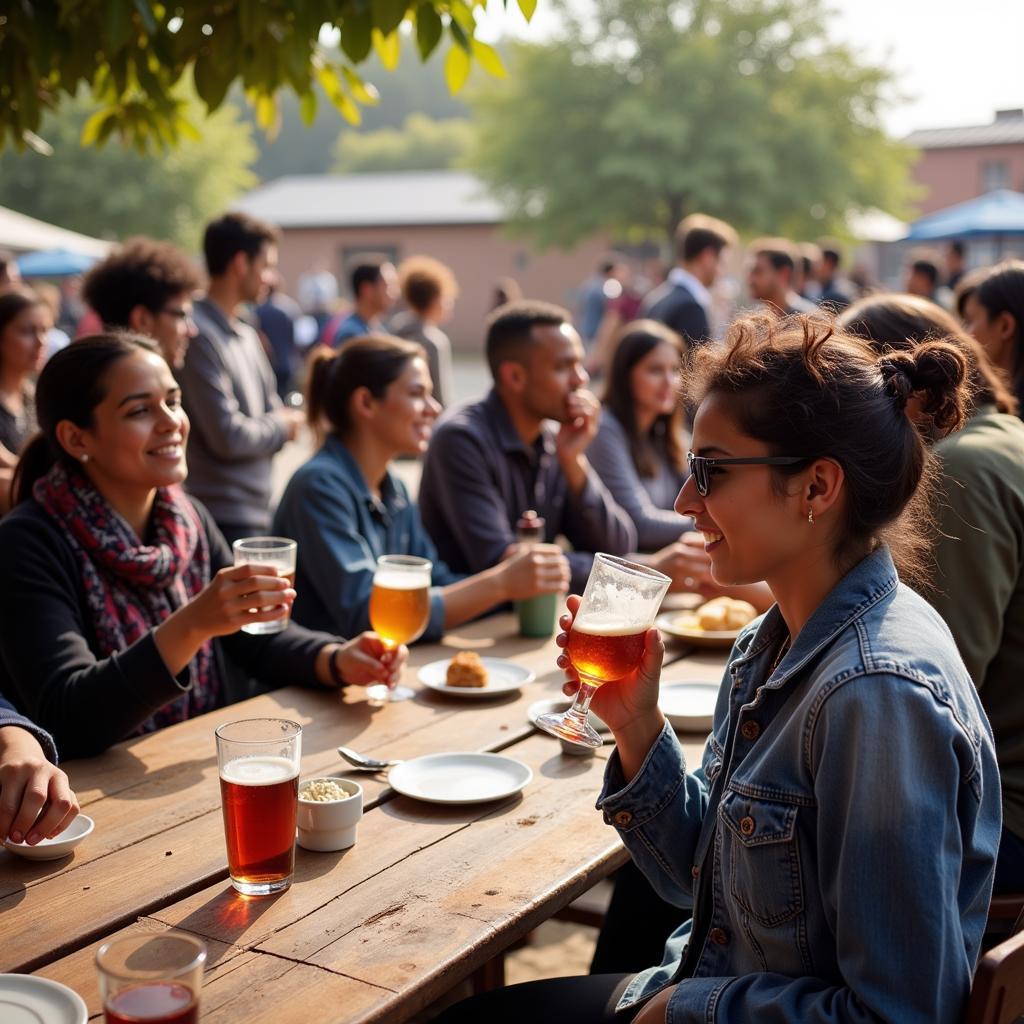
(641, 111)
(133, 56)
(420, 144)
(117, 192)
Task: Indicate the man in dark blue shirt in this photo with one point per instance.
(490, 461)
(374, 290)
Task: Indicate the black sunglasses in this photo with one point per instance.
(700, 467)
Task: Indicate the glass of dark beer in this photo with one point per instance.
(259, 789)
(151, 977)
(606, 641)
(273, 553)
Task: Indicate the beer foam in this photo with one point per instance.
(258, 771)
(392, 580)
(607, 625)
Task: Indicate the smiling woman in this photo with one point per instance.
(120, 603)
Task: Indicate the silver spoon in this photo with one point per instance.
(368, 764)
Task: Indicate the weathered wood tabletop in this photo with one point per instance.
(426, 896)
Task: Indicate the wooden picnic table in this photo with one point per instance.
(428, 895)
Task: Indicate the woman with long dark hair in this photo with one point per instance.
(119, 600)
(994, 312)
(838, 838)
(369, 402)
(978, 581)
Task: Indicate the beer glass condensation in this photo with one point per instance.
(399, 609)
(258, 760)
(606, 641)
(276, 553)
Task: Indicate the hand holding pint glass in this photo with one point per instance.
(273, 553)
(399, 609)
(606, 641)
(258, 760)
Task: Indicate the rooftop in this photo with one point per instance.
(1007, 128)
(373, 200)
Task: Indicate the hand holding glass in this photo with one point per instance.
(268, 552)
(606, 641)
(399, 609)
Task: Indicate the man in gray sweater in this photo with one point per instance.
(228, 386)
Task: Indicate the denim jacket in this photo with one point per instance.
(839, 837)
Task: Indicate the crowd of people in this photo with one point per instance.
(850, 463)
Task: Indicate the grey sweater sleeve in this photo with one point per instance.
(10, 717)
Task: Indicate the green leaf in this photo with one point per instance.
(487, 57)
(356, 38)
(307, 106)
(119, 23)
(94, 125)
(332, 86)
(456, 69)
(389, 14)
(146, 14)
(388, 48)
(363, 92)
(212, 79)
(428, 29)
(459, 35)
(527, 7)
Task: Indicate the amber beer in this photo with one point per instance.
(400, 605)
(604, 653)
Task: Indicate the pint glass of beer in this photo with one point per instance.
(151, 976)
(606, 641)
(274, 553)
(259, 790)
(399, 609)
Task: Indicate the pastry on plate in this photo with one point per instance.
(466, 669)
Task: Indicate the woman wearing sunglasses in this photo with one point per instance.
(837, 840)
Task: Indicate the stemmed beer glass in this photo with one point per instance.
(399, 610)
(606, 641)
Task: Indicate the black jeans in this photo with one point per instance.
(587, 1000)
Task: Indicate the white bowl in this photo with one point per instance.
(325, 825)
(59, 846)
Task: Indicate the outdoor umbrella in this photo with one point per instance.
(54, 263)
(995, 214)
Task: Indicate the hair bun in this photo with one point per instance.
(936, 371)
(898, 372)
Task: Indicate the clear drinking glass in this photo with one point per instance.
(268, 553)
(151, 977)
(258, 760)
(399, 609)
(606, 641)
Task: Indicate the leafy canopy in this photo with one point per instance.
(134, 56)
(642, 111)
(421, 144)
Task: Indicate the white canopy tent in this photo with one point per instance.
(26, 234)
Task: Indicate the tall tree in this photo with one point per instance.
(421, 144)
(133, 56)
(114, 191)
(641, 111)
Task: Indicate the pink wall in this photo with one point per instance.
(478, 255)
(955, 175)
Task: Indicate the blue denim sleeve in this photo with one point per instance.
(658, 815)
(907, 831)
(8, 716)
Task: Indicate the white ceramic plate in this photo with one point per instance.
(26, 999)
(689, 707)
(459, 778)
(546, 707)
(672, 625)
(59, 846)
(503, 677)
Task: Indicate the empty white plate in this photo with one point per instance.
(59, 846)
(26, 999)
(459, 778)
(689, 706)
(502, 677)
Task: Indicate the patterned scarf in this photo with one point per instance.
(132, 587)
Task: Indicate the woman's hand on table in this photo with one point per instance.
(36, 801)
(367, 660)
(629, 706)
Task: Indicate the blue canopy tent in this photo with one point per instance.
(54, 263)
(995, 215)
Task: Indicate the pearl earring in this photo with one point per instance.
(85, 456)
(810, 516)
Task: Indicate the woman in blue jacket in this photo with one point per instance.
(838, 838)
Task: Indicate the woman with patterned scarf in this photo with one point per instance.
(121, 607)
